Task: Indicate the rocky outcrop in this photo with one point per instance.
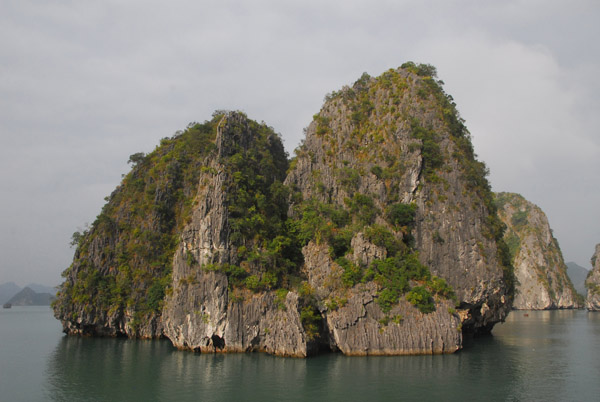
(379, 238)
(542, 280)
(356, 324)
(386, 143)
(203, 312)
(592, 282)
(201, 316)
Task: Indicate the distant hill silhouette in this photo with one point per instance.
(28, 297)
(577, 273)
(8, 290)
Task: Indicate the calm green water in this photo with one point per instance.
(547, 356)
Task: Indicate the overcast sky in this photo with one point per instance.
(85, 84)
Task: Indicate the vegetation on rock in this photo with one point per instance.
(365, 187)
(268, 249)
(592, 282)
(541, 272)
(123, 261)
(376, 108)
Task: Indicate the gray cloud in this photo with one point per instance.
(85, 84)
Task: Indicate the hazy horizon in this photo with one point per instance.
(85, 85)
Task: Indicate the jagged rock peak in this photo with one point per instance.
(592, 283)
(542, 280)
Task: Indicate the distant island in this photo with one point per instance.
(578, 274)
(30, 295)
(541, 273)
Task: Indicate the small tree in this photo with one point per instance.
(75, 238)
(421, 299)
(78, 236)
(136, 158)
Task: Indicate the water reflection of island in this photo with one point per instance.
(82, 369)
(90, 369)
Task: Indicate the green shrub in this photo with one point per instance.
(340, 242)
(519, 219)
(393, 276)
(349, 178)
(514, 243)
(440, 287)
(156, 294)
(401, 215)
(280, 297)
(423, 70)
(362, 208)
(306, 291)
(420, 297)
(382, 237)
(318, 220)
(236, 275)
(386, 299)
(377, 171)
(311, 320)
(385, 320)
(352, 274)
(331, 304)
(252, 282)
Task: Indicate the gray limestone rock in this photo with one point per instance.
(542, 280)
(593, 282)
(202, 312)
(386, 157)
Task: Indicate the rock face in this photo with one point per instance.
(542, 280)
(379, 238)
(122, 266)
(387, 145)
(202, 312)
(357, 325)
(593, 282)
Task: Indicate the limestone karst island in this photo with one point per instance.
(592, 283)
(381, 236)
(540, 271)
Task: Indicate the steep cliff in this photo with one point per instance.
(593, 283)
(232, 268)
(380, 236)
(123, 262)
(396, 213)
(542, 280)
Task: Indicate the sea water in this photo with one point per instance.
(533, 356)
